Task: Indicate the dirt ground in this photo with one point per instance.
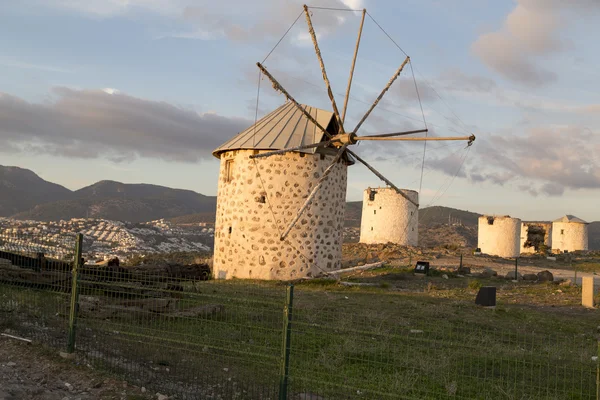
(28, 371)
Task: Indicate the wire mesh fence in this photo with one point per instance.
(172, 329)
(35, 285)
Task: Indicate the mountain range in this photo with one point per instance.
(24, 195)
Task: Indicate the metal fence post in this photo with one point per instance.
(285, 348)
(517, 268)
(74, 294)
(598, 372)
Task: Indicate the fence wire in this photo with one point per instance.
(171, 329)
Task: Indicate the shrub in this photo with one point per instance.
(475, 284)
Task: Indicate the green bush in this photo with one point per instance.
(475, 284)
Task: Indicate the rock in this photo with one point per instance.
(530, 277)
(69, 386)
(488, 273)
(545, 276)
(88, 304)
(511, 275)
(143, 389)
(567, 282)
(161, 396)
(416, 331)
(11, 364)
(464, 270)
(205, 310)
(445, 276)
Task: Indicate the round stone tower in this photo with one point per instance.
(259, 197)
(388, 216)
(569, 233)
(499, 236)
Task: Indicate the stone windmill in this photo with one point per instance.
(282, 185)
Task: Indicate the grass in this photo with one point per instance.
(390, 340)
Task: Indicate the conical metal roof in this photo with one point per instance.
(283, 128)
(571, 219)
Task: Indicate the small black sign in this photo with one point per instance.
(422, 267)
(486, 296)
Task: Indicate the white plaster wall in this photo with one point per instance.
(252, 249)
(390, 217)
(524, 231)
(500, 239)
(569, 236)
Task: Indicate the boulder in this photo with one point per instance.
(511, 275)
(545, 276)
(488, 273)
(463, 270)
(566, 282)
(530, 277)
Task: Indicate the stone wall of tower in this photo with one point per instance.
(256, 201)
(499, 236)
(535, 228)
(569, 236)
(389, 217)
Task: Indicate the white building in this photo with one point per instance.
(388, 216)
(569, 233)
(499, 235)
(258, 198)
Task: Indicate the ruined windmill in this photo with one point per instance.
(282, 185)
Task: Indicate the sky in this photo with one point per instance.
(142, 91)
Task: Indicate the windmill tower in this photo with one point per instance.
(282, 185)
(388, 217)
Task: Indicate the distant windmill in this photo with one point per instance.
(282, 186)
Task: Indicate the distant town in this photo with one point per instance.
(104, 238)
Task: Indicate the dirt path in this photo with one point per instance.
(31, 372)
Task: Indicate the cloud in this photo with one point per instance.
(14, 63)
(119, 127)
(550, 159)
(271, 19)
(531, 31)
(111, 8)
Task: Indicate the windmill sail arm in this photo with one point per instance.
(470, 139)
(383, 92)
(277, 86)
(383, 178)
(397, 133)
(282, 151)
(313, 36)
(360, 29)
(314, 192)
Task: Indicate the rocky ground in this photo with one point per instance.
(30, 372)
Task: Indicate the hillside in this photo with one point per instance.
(103, 200)
(594, 236)
(24, 195)
(21, 189)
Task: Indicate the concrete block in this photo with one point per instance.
(587, 292)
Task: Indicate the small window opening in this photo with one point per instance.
(413, 229)
(490, 220)
(562, 231)
(411, 213)
(230, 230)
(371, 228)
(302, 155)
(374, 211)
(228, 170)
(261, 199)
(322, 156)
(372, 195)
